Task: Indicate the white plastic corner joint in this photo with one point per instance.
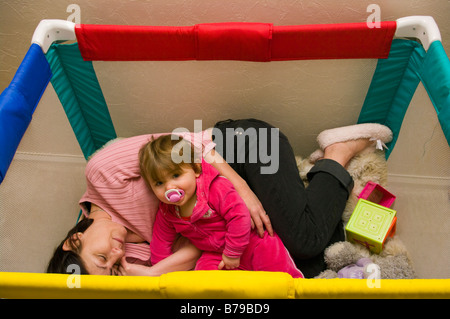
(422, 28)
(49, 31)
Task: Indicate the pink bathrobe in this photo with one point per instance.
(220, 223)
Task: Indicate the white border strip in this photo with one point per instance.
(47, 157)
(419, 180)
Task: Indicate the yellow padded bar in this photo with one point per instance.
(228, 285)
(212, 284)
(45, 286)
(362, 288)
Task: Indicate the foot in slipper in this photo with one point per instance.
(372, 131)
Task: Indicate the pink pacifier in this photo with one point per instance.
(174, 195)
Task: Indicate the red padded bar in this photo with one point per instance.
(234, 41)
(135, 43)
(332, 41)
(216, 41)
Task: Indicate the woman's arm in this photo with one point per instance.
(182, 260)
(259, 217)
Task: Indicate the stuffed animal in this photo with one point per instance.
(348, 260)
(359, 270)
(369, 165)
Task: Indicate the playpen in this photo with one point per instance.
(409, 52)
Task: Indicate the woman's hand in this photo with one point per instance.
(260, 219)
(229, 263)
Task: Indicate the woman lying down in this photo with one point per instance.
(249, 220)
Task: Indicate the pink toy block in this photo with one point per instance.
(374, 193)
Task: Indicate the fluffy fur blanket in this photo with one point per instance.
(394, 260)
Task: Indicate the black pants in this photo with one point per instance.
(306, 219)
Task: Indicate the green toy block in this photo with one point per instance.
(370, 225)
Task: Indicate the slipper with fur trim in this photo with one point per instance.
(373, 131)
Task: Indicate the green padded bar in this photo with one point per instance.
(77, 87)
(396, 79)
(435, 75)
(393, 85)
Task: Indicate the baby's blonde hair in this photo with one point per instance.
(156, 157)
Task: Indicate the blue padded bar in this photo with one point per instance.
(18, 102)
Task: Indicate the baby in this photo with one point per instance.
(201, 205)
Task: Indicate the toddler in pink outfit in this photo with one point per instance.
(201, 205)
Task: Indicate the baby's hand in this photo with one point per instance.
(127, 269)
(229, 263)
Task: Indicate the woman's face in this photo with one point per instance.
(102, 246)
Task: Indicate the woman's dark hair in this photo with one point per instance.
(62, 259)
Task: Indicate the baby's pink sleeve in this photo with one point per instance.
(232, 208)
(164, 235)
